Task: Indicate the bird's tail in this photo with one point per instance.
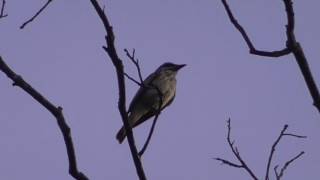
(121, 135)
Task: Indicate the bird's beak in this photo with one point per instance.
(180, 66)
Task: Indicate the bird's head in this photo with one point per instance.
(168, 66)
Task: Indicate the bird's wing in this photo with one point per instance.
(152, 112)
(141, 90)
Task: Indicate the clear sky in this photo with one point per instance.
(60, 54)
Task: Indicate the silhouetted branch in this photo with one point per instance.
(280, 175)
(243, 165)
(2, 14)
(250, 45)
(117, 62)
(56, 111)
(273, 148)
(235, 151)
(135, 62)
(292, 46)
(36, 15)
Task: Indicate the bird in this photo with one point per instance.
(145, 104)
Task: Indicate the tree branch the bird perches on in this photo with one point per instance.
(117, 62)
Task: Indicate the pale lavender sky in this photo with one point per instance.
(60, 54)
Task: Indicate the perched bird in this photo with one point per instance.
(146, 102)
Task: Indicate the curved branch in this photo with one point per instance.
(55, 111)
(117, 62)
(292, 46)
(250, 45)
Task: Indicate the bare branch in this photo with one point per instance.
(117, 62)
(286, 165)
(56, 111)
(36, 15)
(133, 80)
(2, 14)
(135, 62)
(294, 135)
(223, 161)
(237, 154)
(243, 165)
(292, 46)
(273, 148)
(250, 45)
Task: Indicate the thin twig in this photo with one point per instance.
(273, 148)
(286, 165)
(135, 62)
(294, 135)
(36, 15)
(242, 162)
(133, 80)
(292, 46)
(117, 62)
(56, 111)
(223, 161)
(2, 15)
(235, 151)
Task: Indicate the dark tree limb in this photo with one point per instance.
(273, 148)
(117, 62)
(242, 163)
(286, 165)
(292, 46)
(36, 14)
(2, 14)
(250, 45)
(56, 111)
(142, 85)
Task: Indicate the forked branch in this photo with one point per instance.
(292, 46)
(236, 153)
(242, 164)
(117, 62)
